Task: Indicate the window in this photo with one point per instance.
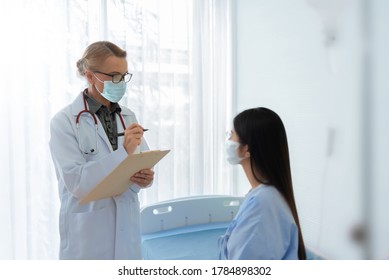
(180, 54)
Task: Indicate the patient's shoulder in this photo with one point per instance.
(268, 197)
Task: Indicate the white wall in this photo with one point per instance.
(282, 63)
(379, 131)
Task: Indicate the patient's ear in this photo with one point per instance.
(246, 151)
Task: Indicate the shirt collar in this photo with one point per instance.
(94, 105)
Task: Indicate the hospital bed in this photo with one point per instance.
(189, 228)
(186, 228)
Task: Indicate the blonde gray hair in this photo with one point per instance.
(96, 53)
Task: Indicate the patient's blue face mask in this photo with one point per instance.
(232, 152)
(112, 91)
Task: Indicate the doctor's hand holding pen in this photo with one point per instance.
(132, 139)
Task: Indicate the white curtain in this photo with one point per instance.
(180, 54)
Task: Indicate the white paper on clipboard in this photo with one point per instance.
(117, 182)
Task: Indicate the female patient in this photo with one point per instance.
(267, 225)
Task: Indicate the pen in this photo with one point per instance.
(122, 133)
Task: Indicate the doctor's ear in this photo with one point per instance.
(89, 76)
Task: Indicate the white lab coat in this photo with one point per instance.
(103, 229)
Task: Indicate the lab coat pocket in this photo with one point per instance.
(91, 234)
(128, 236)
(134, 217)
(135, 229)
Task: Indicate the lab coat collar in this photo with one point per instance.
(78, 105)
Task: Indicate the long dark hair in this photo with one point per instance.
(264, 133)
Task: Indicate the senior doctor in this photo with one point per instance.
(85, 147)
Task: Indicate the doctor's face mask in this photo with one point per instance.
(112, 91)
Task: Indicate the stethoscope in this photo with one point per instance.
(90, 149)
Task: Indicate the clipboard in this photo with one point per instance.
(117, 182)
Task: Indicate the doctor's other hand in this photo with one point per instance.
(143, 177)
(132, 137)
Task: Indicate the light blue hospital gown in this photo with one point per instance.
(263, 228)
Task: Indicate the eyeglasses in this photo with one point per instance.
(117, 78)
